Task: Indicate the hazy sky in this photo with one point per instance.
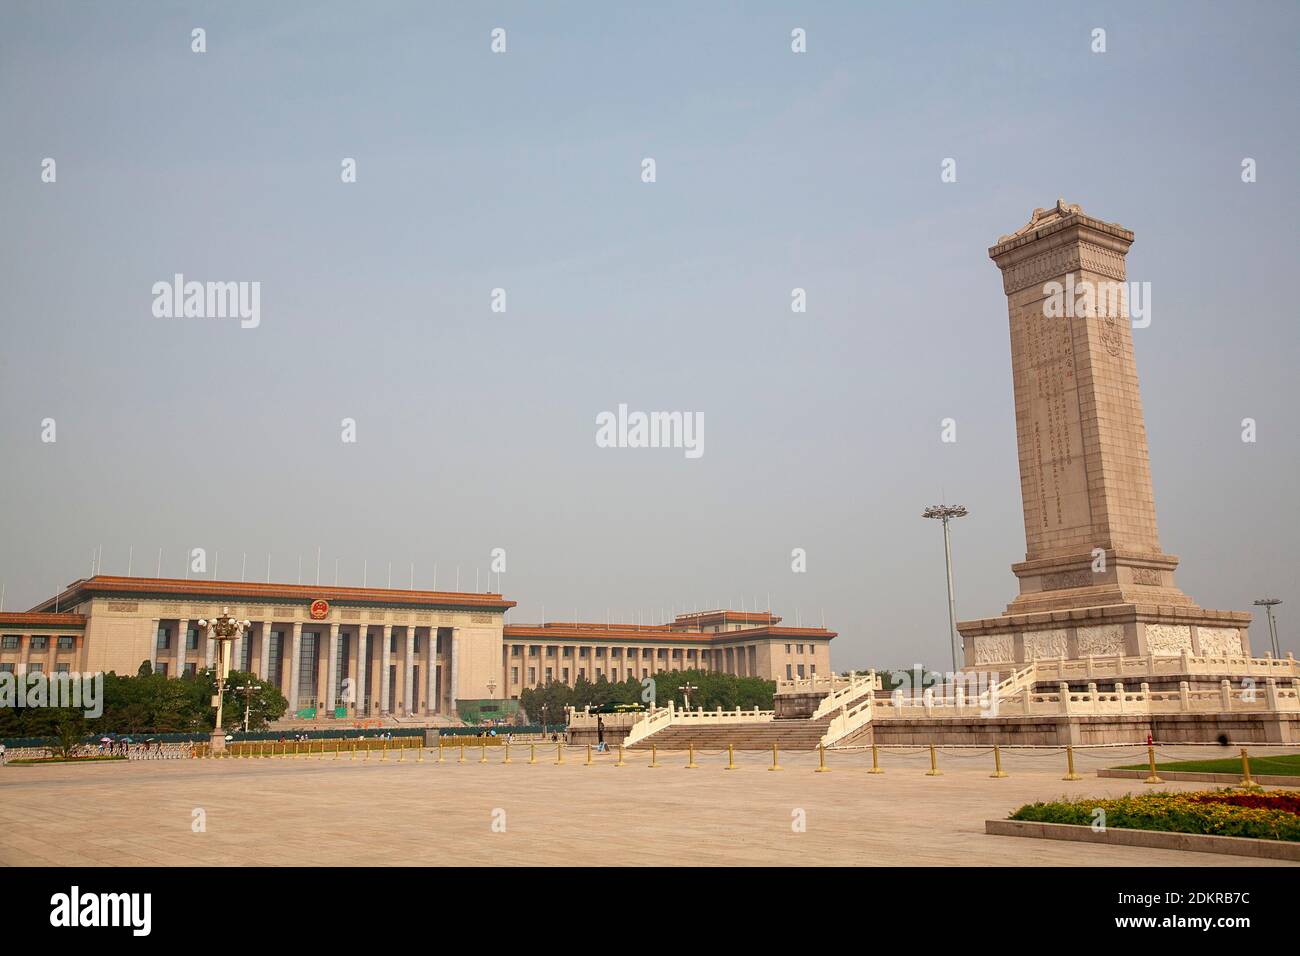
(521, 171)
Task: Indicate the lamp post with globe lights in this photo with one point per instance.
(223, 629)
(1268, 604)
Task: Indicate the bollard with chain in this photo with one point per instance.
(775, 765)
(482, 752)
(821, 760)
(1152, 777)
(934, 770)
(1069, 764)
(690, 756)
(588, 755)
(620, 756)
(462, 752)
(997, 762)
(532, 753)
(559, 752)
(653, 752)
(1246, 780)
(875, 759)
(731, 758)
(507, 760)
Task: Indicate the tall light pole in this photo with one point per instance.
(944, 513)
(1268, 604)
(223, 630)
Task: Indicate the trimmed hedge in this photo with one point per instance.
(1211, 813)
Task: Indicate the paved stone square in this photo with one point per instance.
(341, 812)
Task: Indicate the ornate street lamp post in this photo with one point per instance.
(224, 629)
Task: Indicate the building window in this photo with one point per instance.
(787, 648)
(190, 669)
(416, 644)
(191, 638)
(514, 675)
(67, 643)
(40, 642)
(801, 670)
(800, 648)
(532, 675)
(11, 642)
(61, 668)
(164, 639)
(788, 669)
(6, 668)
(35, 668)
(516, 651)
(549, 675)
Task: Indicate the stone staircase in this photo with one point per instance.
(788, 735)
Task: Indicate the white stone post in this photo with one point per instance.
(1063, 690)
(1225, 694)
(265, 654)
(408, 675)
(182, 638)
(1184, 696)
(386, 661)
(362, 690)
(295, 660)
(1270, 694)
(431, 671)
(333, 670)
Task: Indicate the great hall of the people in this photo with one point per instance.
(401, 652)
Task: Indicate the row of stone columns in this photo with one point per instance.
(331, 639)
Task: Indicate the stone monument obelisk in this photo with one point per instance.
(1094, 580)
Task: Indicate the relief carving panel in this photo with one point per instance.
(1168, 640)
(1047, 644)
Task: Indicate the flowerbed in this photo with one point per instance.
(1212, 813)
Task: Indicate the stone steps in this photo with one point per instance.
(786, 734)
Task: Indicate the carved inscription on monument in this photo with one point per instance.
(1054, 478)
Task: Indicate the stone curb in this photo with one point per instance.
(1151, 839)
(1272, 780)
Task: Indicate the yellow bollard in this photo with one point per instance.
(419, 753)
(1069, 765)
(353, 751)
(368, 749)
(383, 751)
(775, 765)
(482, 747)
(461, 759)
(588, 755)
(620, 756)
(1246, 780)
(532, 753)
(507, 760)
(439, 749)
(821, 760)
(1151, 762)
(653, 752)
(296, 748)
(401, 753)
(559, 752)
(875, 760)
(336, 750)
(934, 770)
(690, 756)
(997, 763)
(731, 758)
